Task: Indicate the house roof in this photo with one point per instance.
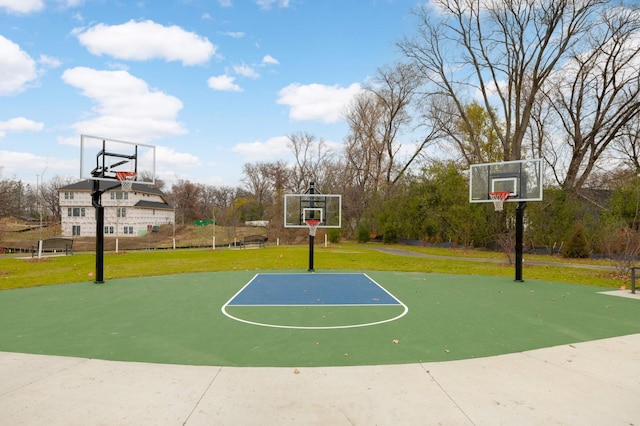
(87, 185)
(152, 205)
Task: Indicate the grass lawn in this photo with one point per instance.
(20, 273)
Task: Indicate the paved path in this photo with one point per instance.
(401, 252)
(595, 383)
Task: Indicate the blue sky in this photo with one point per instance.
(213, 84)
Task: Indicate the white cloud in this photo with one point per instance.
(19, 124)
(225, 3)
(268, 4)
(17, 68)
(15, 162)
(49, 61)
(170, 162)
(224, 83)
(140, 41)
(233, 34)
(70, 3)
(245, 71)
(22, 6)
(273, 149)
(268, 59)
(124, 106)
(317, 101)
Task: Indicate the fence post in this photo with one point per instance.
(633, 280)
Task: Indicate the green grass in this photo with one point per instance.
(20, 273)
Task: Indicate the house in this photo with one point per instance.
(126, 214)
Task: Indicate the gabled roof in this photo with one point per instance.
(87, 185)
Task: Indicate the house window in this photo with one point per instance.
(69, 211)
(108, 229)
(68, 195)
(75, 230)
(128, 230)
(75, 211)
(122, 212)
(119, 195)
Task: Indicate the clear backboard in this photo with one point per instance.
(102, 158)
(299, 208)
(522, 179)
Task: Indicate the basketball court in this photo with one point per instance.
(469, 350)
(299, 347)
(216, 319)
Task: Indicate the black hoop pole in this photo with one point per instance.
(311, 241)
(519, 238)
(96, 201)
(312, 190)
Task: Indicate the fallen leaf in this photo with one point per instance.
(396, 341)
(296, 371)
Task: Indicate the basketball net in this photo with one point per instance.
(313, 226)
(126, 180)
(498, 199)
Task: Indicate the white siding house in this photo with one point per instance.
(126, 214)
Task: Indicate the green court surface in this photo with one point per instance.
(179, 319)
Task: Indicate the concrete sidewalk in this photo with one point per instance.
(595, 383)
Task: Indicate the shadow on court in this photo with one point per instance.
(192, 319)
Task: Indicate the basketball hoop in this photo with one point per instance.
(313, 226)
(126, 179)
(498, 199)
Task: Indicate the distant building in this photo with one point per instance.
(126, 214)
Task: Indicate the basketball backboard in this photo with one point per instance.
(101, 158)
(522, 179)
(298, 208)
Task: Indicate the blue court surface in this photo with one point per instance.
(312, 289)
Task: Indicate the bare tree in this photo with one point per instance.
(628, 145)
(311, 158)
(377, 118)
(377, 154)
(596, 96)
(258, 181)
(501, 51)
(50, 197)
(187, 199)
